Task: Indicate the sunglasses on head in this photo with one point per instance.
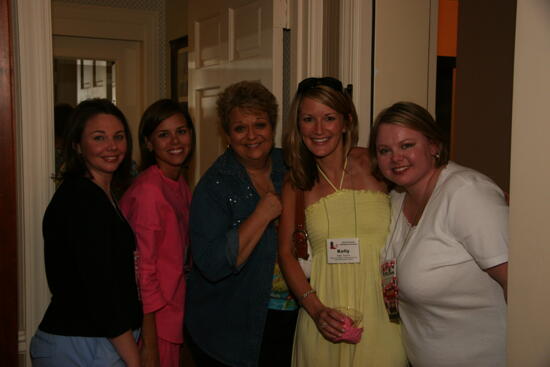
(327, 81)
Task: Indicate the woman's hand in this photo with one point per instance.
(269, 206)
(126, 347)
(500, 274)
(149, 352)
(251, 230)
(149, 356)
(330, 323)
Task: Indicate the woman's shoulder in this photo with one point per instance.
(360, 156)
(359, 153)
(360, 165)
(455, 175)
(148, 179)
(79, 187)
(462, 184)
(77, 195)
(145, 192)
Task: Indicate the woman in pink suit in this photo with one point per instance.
(157, 207)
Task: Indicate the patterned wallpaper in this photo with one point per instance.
(157, 5)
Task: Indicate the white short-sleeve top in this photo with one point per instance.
(453, 312)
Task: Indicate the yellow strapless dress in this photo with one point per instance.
(345, 214)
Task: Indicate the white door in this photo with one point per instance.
(230, 41)
(128, 79)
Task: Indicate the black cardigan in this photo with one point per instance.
(89, 253)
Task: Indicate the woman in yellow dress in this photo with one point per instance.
(347, 218)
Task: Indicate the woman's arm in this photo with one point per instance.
(126, 347)
(149, 350)
(328, 321)
(146, 210)
(500, 274)
(252, 229)
(220, 245)
(479, 220)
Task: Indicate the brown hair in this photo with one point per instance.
(74, 162)
(153, 116)
(412, 116)
(328, 91)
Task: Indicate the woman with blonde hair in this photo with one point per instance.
(347, 218)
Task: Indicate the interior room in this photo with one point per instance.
(482, 67)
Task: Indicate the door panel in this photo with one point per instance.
(229, 41)
(206, 103)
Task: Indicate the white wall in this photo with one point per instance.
(528, 295)
(405, 53)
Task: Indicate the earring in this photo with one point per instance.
(437, 155)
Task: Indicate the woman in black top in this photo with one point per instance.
(89, 249)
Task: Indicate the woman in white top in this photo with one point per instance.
(445, 264)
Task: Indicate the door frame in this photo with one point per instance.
(8, 191)
(126, 56)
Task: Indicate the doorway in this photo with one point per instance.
(99, 58)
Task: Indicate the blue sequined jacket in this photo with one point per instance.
(227, 304)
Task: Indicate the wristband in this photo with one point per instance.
(311, 291)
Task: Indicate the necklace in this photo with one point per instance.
(341, 178)
(390, 287)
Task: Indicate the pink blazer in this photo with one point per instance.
(157, 208)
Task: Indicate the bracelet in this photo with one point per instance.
(311, 291)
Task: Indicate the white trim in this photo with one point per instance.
(347, 38)
(315, 37)
(281, 14)
(279, 20)
(21, 340)
(355, 58)
(35, 155)
(299, 31)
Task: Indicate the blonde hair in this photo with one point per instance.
(303, 172)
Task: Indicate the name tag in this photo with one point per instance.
(343, 251)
